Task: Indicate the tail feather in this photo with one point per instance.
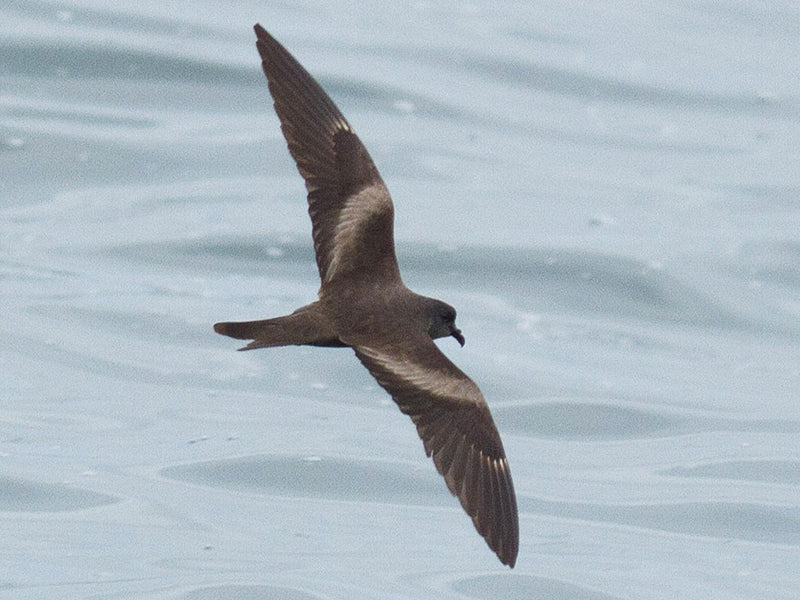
(304, 327)
(247, 330)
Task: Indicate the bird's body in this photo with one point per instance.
(364, 304)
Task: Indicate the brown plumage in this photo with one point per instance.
(364, 304)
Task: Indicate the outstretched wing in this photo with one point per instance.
(455, 425)
(351, 209)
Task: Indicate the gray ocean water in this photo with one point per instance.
(609, 193)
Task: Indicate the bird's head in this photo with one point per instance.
(442, 321)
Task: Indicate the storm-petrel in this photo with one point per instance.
(363, 303)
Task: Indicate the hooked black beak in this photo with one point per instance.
(457, 334)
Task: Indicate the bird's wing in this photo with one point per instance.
(455, 425)
(351, 209)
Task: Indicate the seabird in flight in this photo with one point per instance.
(363, 303)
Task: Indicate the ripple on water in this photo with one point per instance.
(585, 421)
(248, 592)
(513, 587)
(769, 471)
(725, 520)
(22, 495)
(104, 61)
(314, 477)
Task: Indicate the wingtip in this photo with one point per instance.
(506, 551)
(509, 557)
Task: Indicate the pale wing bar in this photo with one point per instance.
(457, 430)
(332, 160)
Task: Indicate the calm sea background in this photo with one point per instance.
(609, 193)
